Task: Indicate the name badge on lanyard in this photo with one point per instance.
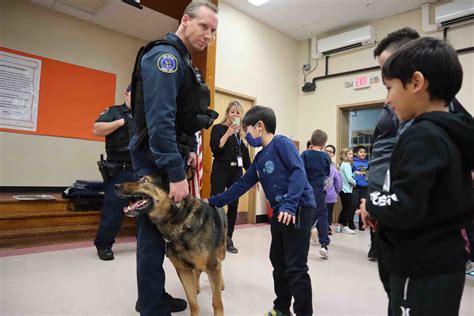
(240, 162)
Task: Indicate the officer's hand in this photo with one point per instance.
(179, 190)
(121, 122)
(192, 159)
(286, 218)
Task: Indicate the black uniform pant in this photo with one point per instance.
(289, 256)
(222, 177)
(346, 217)
(111, 217)
(150, 248)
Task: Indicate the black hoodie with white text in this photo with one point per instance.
(427, 197)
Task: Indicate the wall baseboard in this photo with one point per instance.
(262, 218)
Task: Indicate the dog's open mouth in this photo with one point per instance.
(140, 204)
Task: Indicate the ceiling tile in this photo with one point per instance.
(72, 11)
(302, 18)
(46, 3)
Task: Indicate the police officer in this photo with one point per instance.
(165, 102)
(116, 124)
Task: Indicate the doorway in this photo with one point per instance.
(352, 132)
(247, 205)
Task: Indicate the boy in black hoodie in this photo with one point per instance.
(427, 196)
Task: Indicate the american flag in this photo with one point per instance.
(195, 184)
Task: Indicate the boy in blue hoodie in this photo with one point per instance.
(280, 170)
(360, 170)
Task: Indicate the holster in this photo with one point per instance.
(109, 169)
(103, 169)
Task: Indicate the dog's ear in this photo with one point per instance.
(160, 183)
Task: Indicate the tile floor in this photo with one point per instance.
(71, 280)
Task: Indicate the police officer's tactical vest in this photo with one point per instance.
(193, 100)
(116, 143)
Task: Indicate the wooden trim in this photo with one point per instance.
(241, 218)
(206, 61)
(236, 94)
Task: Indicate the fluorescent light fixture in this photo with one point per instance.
(257, 2)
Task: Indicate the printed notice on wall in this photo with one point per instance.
(19, 91)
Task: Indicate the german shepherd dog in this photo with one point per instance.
(195, 235)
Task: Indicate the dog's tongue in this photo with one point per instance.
(130, 210)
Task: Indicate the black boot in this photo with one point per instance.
(230, 246)
(105, 254)
(176, 304)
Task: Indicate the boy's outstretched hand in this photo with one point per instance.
(286, 218)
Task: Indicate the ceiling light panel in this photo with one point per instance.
(257, 2)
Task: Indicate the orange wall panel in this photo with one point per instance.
(71, 98)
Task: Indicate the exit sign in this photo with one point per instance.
(361, 82)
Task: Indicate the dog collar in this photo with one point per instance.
(169, 238)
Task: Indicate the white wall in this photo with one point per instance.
(255, 60)
(31, 160)
(319, 109)
(258, 61)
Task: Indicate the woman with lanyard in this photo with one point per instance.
(230, 155)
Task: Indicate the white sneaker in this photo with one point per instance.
(347, 230)
(314, 234)
(338, 228)
(323, 251)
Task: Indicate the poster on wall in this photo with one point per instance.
(19, 91)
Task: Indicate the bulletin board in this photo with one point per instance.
(71, 98)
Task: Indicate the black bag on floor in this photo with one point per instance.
(85, 195)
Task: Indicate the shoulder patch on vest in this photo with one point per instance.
(167, 63)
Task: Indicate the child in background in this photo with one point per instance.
(317, 164)
(279, 169)
(360, 169)
(332, 184)
(346, 217)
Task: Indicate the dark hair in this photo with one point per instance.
(331, 146)
(435, 59)
(359, 148)
(393, 41)
(319, 138)
(308, 144)
(194, 5)
(260, 113)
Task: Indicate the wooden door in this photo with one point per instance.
(246, 202)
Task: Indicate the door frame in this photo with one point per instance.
(252, 207)
(342, 130)
(342, 126)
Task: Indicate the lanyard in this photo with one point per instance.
(238, 141)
